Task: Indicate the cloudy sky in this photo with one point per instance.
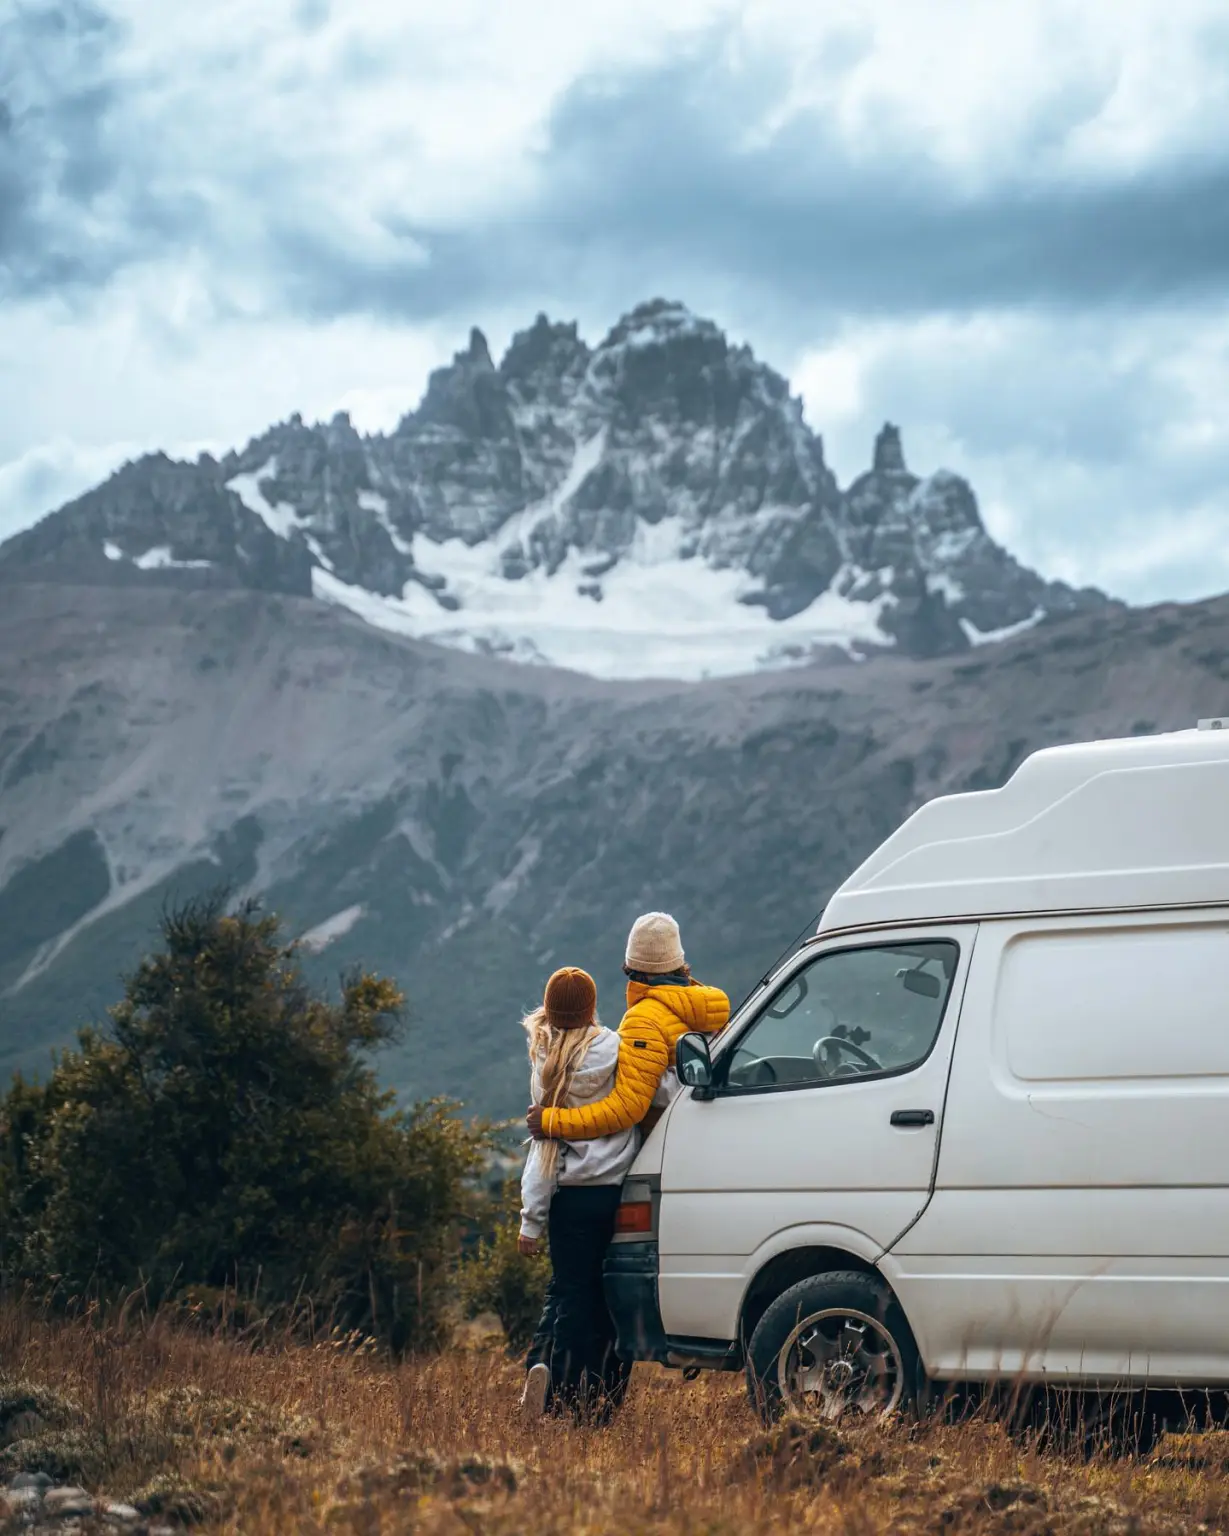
(1003, 224)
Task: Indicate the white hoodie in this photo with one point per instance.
(602, 1160)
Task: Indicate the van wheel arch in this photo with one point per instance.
(786, 1269)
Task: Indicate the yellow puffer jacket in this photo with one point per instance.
(655, 1018)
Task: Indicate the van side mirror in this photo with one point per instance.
(692, 1061)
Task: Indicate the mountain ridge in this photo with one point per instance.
(466, 824)
(653, 505)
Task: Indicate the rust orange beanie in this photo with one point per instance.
(571, 999)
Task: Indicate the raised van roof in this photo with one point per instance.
(1139, 822)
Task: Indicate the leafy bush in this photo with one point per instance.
(496, 1277)
(226, 1132)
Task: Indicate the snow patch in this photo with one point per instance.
(160, 559)
(313, 543)
(377, 505)
(281, 518)
(585, 459)
(947, 585)
(502, 892)
(662, 614)
(953, 545)
(332, 929)
(651, 330)
(113, 551)
(977, 636)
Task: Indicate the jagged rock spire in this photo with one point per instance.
(478, 351)
(889, 454)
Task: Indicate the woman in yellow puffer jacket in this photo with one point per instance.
(663, 1002)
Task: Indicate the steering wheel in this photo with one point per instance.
(819, 1050)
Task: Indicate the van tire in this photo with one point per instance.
(856, 1322)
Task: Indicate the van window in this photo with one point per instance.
(851, 1013)
(1098, 1004)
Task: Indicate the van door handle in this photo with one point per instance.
(906, 1117)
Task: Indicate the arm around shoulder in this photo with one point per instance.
(643, 1057)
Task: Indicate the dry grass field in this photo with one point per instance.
(205, 1430)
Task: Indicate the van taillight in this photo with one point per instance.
(634, 1216)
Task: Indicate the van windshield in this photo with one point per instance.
(850, 1013)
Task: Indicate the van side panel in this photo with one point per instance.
(1080, 1221)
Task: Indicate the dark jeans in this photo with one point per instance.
(575, 1336)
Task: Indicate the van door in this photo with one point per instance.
(822, 1125)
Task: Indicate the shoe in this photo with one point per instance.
(533, 1398)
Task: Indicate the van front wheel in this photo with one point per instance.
(832, 1346)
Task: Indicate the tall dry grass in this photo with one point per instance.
(328, 1437)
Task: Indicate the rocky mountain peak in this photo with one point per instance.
(657, 505)
(546, 343)
(659, 347)
(889, 456)
(545, 365)
(341, 433)
(655, 323)
(478, 352)
(467, 395)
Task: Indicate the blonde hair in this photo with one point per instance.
(557, 1055)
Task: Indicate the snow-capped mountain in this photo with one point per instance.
(654, 506)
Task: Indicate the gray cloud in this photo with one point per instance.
(644, 182)
(312, 14)
(58, 156)
(650, 172)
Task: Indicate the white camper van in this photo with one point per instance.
(978, 1126)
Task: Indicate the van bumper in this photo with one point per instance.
(630, 1281)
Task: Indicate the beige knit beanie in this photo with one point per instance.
(654, 946)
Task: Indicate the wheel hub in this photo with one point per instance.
(838, 1374)
(840, 1361)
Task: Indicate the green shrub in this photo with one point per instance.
(496, 1277)
(226, 1135)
